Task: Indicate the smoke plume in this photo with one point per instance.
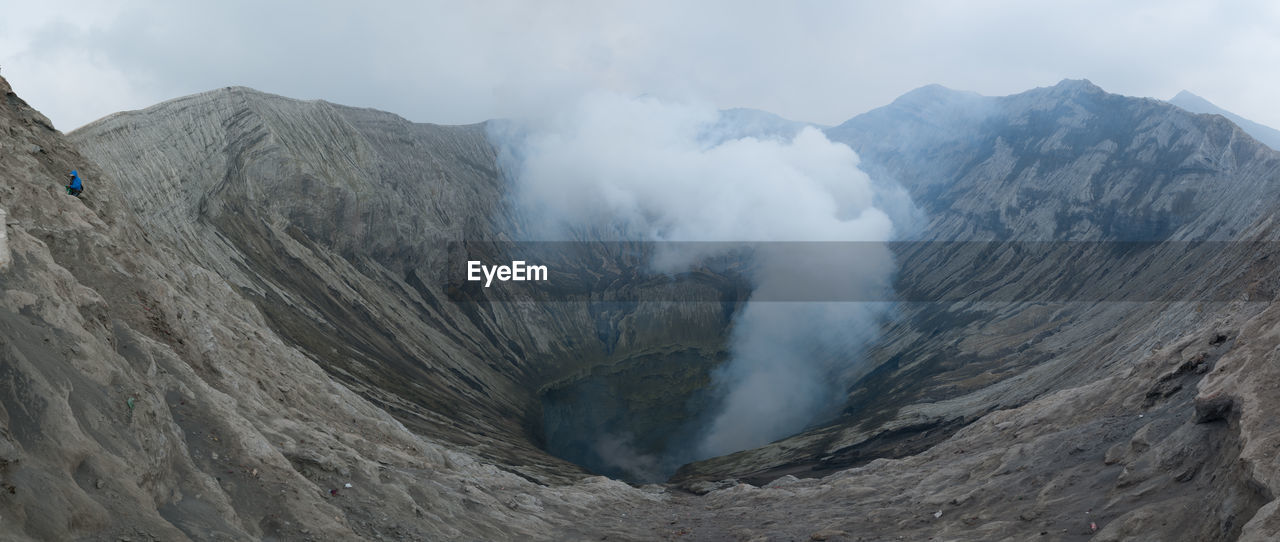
(647, 169)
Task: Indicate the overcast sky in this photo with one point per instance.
(460, 62)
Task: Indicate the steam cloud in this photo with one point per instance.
(647, 169)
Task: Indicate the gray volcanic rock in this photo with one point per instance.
(335, 221)
(1068, 162)
(942, 368)
(144, 396)
(239, 317)
(1267, 135)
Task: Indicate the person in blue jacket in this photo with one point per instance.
(75, 187)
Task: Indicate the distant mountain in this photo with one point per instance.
(1066, 162)
(1069, 161)
(1195, 104)
(742, 122)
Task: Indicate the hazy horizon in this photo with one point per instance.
(819, 62)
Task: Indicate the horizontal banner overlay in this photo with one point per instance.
(487, 272)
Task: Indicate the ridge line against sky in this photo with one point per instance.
(462, 62)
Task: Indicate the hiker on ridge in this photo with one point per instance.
(75, 187)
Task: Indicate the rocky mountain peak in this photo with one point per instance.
(1073, 87)
(931, 93)
(1186, 96)
(932, 99)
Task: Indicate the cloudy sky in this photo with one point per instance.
(458, 62)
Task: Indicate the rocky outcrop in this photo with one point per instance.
(5, 258)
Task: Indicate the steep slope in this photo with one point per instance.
(1267, 135)
(142, 397)
(1064, 163)
(1068, 162)
(335, 221)
(974, 421)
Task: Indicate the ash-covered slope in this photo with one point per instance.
(145, 397)
(293, 329)
(1066, 163)
(1063, 163)
(335, 222)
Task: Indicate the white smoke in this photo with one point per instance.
(642, 168)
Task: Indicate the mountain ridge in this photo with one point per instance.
(1267, 135)
(1061, 119)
